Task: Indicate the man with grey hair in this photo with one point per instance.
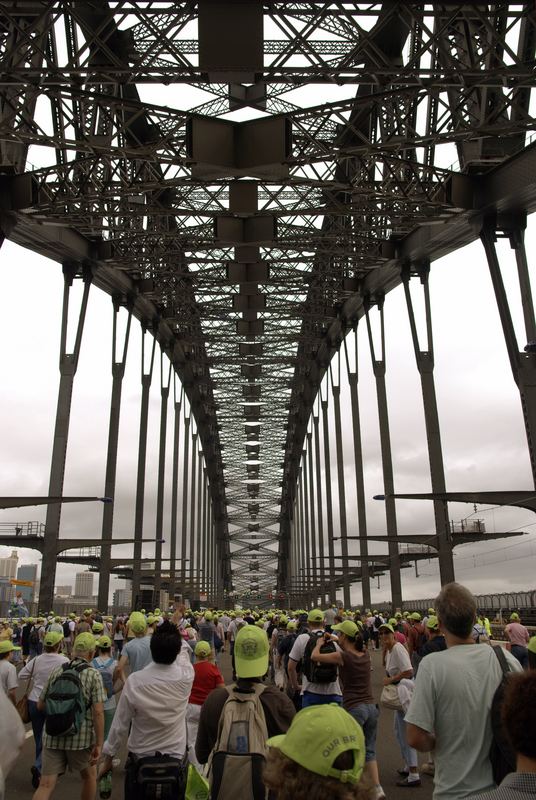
(79, 750)
(450, 712)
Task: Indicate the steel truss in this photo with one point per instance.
(247, 225)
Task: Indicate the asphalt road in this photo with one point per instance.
(18, 784)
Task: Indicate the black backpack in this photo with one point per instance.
(501, 753)
(313, 671)
(66, 629)
(65, 706)
(33, 638)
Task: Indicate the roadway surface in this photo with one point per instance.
(18, 784)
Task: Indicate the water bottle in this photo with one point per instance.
(105, 786)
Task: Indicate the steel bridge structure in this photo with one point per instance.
(248, 180)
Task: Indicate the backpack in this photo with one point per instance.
(238, 757)
(377, 622)
(33, 638)
(65, 706)
(313, 671)
(66, 629)
(240, 625)
(218, 644)
(106, 675)
(501, 754)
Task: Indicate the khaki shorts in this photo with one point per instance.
(55, 762)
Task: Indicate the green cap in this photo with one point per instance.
(316, 615)
(85, 642)
(97, 627)
(392, 621)
(251, 651)
(291, 626)
(260, 623)
(531, 647)
(347, 627)
(52, 638)
(6, 646)
(318, 735)
(203, 649)
(432, 623)
(386, 626)
(137, 622)
(104, 642)
(431, 611)
(514, 616)
(416, 616)
(208, 615)
(157, 612)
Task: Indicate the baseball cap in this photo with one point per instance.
(203, 649)
(431, 611)
(104, 642)
(318, 735)
(208, 615)
(137, 622)
(387, 627)
(416, 616)
(84, 642)
(251, 652)
(347, 627)
(97, 627)
(514, 616)
(315, 615)
(433, 623)
(52, 638)
(6, 646)
(291, 626)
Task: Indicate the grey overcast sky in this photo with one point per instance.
(483, 435)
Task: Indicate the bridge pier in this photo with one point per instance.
(118, 372)
(425, 365)
(68, 366)
(379, 370)
(146, 379)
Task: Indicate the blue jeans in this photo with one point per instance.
(522, 655)
(408, 753)
(314, 699)
(37, 718)
(366, 714)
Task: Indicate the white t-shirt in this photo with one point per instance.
(40, 668)
(397, 660)
(296, 654)
(452, 699)
(8, 676)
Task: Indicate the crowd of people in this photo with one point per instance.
(300, 718)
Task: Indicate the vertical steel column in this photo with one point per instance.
(329, 502)
(336, 391)
(192, 514)
(320, 509)
(185, 456)
(199, 532)
(307, 530)
(211, 581)
(379, 369)
(299, 539)
(204, 532)
(118, 372)
(314, 576)
(159, 526)
(174, 490)
(353, 376)
(425, 365)
(523, 364)
(146, 378)
(68, 364)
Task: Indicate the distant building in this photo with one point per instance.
(83, 584)
(8, 566)
(7, 591)
(64, 591)
(122, 598)
(27, 572)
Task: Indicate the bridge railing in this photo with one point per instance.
(32, 528)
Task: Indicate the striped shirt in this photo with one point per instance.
(94, 692)
(516, 786)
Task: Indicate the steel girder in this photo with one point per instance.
(250, 258)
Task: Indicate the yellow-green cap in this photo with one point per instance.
(387, 627)
(150, 619)
(85, 642)
(416, 616)
(251, 652)
(52, 638)
(137, 622)
(315, 615)
(203, 649)
(318, 735)
(531, 647)
(432, 623)
(431, 611)
(208, 615)
(291, 626)
(97, 627)
(259, 623)
(157, 612)
(392, 621)
(347, 627)
(514, 616)
(6, 646)
(104, 642)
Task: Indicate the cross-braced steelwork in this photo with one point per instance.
(249, 179)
